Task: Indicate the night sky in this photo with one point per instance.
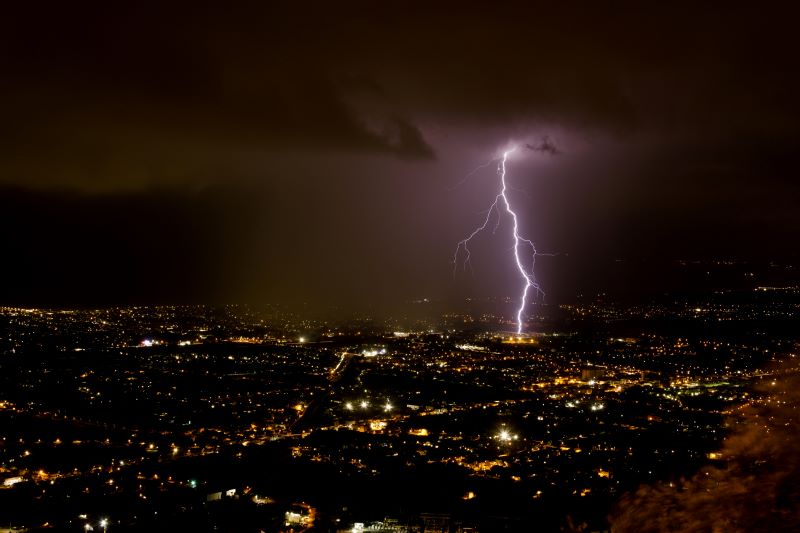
(202, 152)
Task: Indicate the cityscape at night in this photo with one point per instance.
(399, 267)
(198, 417)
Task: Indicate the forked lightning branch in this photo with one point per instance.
(524, 249)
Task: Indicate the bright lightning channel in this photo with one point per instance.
(519, 240)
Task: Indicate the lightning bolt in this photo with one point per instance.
(521, 244)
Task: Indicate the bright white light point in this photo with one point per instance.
(387, 407)
(103, 522)
(348, 406)
(364, 404)
(302, 339)
(527, 274)
(505, 435)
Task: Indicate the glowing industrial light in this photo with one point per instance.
(387, 407)
(302, 340)
(348, 406)
(364, 404)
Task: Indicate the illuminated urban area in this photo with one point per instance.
(255, 419)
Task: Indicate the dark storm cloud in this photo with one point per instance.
(68, 248)
(545, 146)
(288, 241)
(94, 89)
(755, 490)
(684, 119)
(95, 94)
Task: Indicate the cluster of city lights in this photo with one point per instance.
(103, 523)
(364, 404)
(507, 436)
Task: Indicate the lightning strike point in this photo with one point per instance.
(499, 205)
